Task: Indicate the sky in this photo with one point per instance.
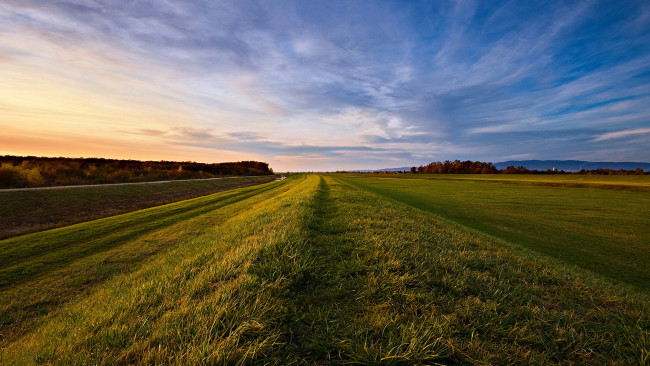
(326, 85)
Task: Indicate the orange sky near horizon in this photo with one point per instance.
(82, 104)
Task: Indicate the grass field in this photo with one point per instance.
(633, 183)
(25, 212)
(599, 224)
(627, 180)
(313, 269)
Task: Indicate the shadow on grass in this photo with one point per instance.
(327, 308)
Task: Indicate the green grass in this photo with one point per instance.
(632, 183)
(42, 270)
(601, 229)
(638, 180)
(25, 212)
(310, 270)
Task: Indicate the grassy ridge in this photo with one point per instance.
(55, 247)
(315, 270)
(40, 271)
(602, 230)
(25, 212)
(198, 289)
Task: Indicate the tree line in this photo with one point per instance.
(456, 167)
(479, 167)
(31, 171)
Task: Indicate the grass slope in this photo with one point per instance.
(601, 229)
(315, 270)
(25, 212)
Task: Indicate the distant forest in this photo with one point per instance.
(479, 167)
(31, 171)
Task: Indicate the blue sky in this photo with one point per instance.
(324, 85)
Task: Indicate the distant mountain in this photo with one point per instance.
(403, 169)
(572, 165)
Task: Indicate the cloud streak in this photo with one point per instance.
(620, 134)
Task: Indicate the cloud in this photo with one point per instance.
(620, 134)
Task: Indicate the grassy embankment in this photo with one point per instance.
(35, 210)
(306, 270)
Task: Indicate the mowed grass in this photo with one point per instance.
(595, 223)
(638, 181)
(29, 211)
(40, 271)
(631, 183)
(310, 270)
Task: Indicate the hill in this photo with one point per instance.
(572, 165)
(402, 169)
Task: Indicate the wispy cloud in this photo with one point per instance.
(619, 134)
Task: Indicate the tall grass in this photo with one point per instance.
(316, 271)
